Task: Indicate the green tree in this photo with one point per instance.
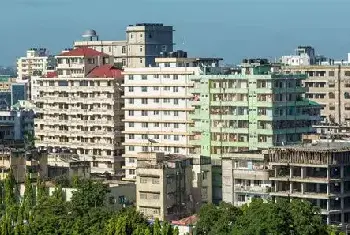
(217, 219)
(89, 194)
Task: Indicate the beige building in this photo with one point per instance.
(79, 108)
(22, 163)
(329, 86)
(245, 175)
(163, 186)
(144, 42)
(67, 164)
(37, 62)
(315, 172)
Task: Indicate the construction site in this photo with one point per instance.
(319, 173)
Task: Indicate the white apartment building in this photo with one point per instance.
(144, 42)
(304, 55)
(80, 109)
(157, 105)
(36, 62)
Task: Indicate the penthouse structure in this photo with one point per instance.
(144, 42)
(316, 172)
(79, 108)
(158, 101)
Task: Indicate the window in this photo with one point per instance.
(155, 112)
(156, 137)
(144, 137)
(166, 113)
(331, 73)
(144, 89)
(176, 150)
(144, 149)
(176, 125)
(123, 49)
(144, 113)
(131, 148)
(164, 48)
(155, 181)
(124, 62)
(156, 75)
(156, 100)
(166, 101)
(347, 73)
(144, 124)
(144, 101)
(131, 89)
(95, 164)
(331, 95)
(175, 89)
(166, 124)
(131, 101)
(176, 113)
(176, 101)
(143, 180)
(156, 124)
(131, 136)
(167, 137)
(131, 124)
(131, 77)
(167, 88)
(132, 171)
(176, 138)
(141, 60)
(144, 77)
(166, 64)
(156, 88)
(131, 160)
(131, 112)
(176, 77)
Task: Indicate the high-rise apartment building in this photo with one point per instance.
(254, 109)
(144, 42)
(80, 108)
(329, 86)
(157, 106)
(36, 63)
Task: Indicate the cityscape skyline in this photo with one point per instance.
(54, 25)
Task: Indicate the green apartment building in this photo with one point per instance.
(249, 110)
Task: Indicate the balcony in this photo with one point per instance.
(251, 174)
(252, 189)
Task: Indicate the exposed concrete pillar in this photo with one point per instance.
(342, 172)
(303, 186)
(303, 172)
(328, 189)
(342, 189)
(276, 171)
(328, 204)
(328, 173)
(291, 187)
(291, 172)
(317, 188)
(342, 218)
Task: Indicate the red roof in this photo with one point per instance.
(83, 51)
(105, 71)
(51, 75)
(191, 220)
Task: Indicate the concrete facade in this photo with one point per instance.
(163, 186)
(255, 109)
(245, 176)
(329, 86)
(157, 106)
(37, 62)
(80, 109)
(318, 173)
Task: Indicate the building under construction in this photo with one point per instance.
(319, 173)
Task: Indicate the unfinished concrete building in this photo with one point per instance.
(316, 172)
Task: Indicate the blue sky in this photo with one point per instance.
(231, 29)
